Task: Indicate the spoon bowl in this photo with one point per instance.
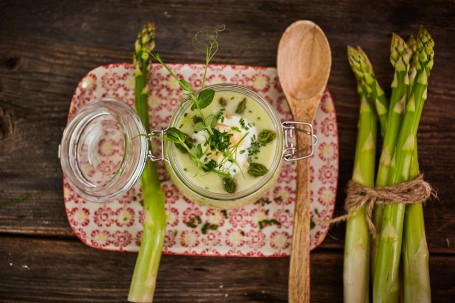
(303, 63)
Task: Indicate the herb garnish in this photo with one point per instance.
(217, 141)
(254, 149)
(265, 222)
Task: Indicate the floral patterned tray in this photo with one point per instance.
(193, 229)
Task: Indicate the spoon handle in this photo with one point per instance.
(299, 271)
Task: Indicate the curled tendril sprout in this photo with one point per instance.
(207, 41)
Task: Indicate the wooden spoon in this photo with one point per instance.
(303, 63)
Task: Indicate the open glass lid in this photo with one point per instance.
(102, 152)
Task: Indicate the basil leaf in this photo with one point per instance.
(196, 152)
(180, 139)
(211, 121)
(175, 135)
(257, 169)
(199, 126)
(205, 97)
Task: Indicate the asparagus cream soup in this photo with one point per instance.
(230, 150)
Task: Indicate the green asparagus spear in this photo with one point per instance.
(400, 55)
(145, 272)
(415, 250)
(363, 71)
(357, 244)
(386, 284)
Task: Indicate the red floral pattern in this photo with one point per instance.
(118, 225)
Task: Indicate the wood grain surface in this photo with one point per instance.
(46, 47)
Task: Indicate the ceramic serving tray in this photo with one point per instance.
(263, 229)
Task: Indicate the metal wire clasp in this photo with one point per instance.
(291, 153)
(159, 133)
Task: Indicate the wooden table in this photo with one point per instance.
(46, 47)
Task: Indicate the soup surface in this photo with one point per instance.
(248, 131)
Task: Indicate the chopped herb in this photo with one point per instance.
(235, 128)
(312, 224)
(219, 115)
(267, 211)
(265, 222)
(210, 166)
(191, 223)
(279, 198)
(263, 201)
(225, 214)
(176, 232)
(242, 151)
(220, 140)
(232, 98)
(198, 218)
(185, 114)
(316, 211)
(208, 226)
(185, 169)
(181, 125)
(243, 125)
(254, 149)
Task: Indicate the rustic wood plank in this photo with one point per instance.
(58, 270)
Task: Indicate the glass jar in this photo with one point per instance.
(103, 152)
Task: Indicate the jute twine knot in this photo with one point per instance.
(358, 196)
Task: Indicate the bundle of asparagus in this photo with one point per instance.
(398, 163)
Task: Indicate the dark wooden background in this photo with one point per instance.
(46, 47)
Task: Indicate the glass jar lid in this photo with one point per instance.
(103, 152)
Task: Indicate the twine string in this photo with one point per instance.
(358, 196)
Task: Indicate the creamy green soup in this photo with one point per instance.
(250, 143)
